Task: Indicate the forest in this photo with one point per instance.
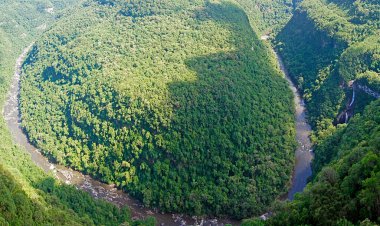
(326, 45)
(177, 103)
(346, 187)
(331, 47)
(28, 196)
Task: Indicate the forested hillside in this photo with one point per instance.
(176, 102)
(20, 22)
(347, 189)
(331, 49)
(179, 103)
(325, 46)
(268, 16)
(27, 195)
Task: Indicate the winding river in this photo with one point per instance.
(119, 198)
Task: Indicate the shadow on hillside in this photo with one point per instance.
(316, 47)
(229, 119)
(310, 56)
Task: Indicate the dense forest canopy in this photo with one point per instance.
(176, 102)
(346, 190)
(28, 196)
(268, 16)
(326, 45)
(331, 49)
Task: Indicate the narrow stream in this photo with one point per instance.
(100, 190)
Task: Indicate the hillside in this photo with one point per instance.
(347, 189)
(28, 196)
(331, 49)
(268, 16)
(326, 45)
(177, 103)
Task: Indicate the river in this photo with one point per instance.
(119, 198)
(304, 153)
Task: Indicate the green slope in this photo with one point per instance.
(268, 16)
(327, 45)
(178, 103)
(348, 186)
(27, 195)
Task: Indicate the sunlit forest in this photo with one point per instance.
(182, 105)
(28, 196)
(176, 103)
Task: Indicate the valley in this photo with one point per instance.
(179, 126)
(304, 153)
(176, 113)
(96, 189)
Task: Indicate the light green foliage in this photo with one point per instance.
(176, 102)
(344, 20)
(370, 79)
(362, 61)
(28, 196)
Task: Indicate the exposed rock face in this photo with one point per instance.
(368, 91)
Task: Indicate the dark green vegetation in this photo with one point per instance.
(347, 189)
(45, 202)
(27, 195)
(327, 45)
(268, 16)
(176, 102)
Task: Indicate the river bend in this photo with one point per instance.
(108, 192)
(95, 188)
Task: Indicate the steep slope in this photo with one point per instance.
(348, 188)
(332, 51)
(176, 102)
(268, 16)
(28, 196)
(325, 46)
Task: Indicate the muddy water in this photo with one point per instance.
(304, 152)
(84, 182)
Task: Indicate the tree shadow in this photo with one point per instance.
(317, 47)
(233, 135)
(310, 55)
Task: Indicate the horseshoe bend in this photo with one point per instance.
(178, 113)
